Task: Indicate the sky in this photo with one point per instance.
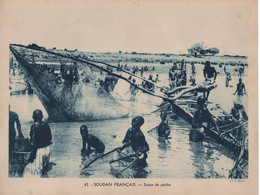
(128, 26)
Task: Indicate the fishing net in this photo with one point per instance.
(123, 162)
(72, 86)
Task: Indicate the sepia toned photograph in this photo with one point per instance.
(134, 90)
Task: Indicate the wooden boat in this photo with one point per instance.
(185, 105)
(228, 126)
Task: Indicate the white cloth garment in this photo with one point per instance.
(35, 168)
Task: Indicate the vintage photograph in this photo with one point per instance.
(130, 91)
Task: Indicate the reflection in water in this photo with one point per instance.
(164, 144)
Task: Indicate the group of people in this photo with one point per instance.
(41, 139)
(178, 75)
(135, 69)
(202, 115)
(41, 136)
(133, 137)
(70, 75)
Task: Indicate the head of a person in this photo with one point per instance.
(37, 115)
(207, 64)
(240, 80)
(137, 122)
(201, 101)
(83, 130)
(133, 80)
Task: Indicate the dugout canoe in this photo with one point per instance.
(228, 126)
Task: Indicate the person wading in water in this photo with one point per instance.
(202, 115)
(14, 118)
(136, 139)
(41, 138)
(91, 140)
(241, 89)
(163, 128)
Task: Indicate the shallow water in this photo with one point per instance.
(177, 158)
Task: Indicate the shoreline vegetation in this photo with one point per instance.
(149, 58)
(112, 57)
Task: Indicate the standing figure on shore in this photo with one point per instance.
(41, 138)
(91, 140)
(210, 75)
(135, 137)
(14, 118)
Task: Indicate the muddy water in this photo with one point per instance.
(176, 158)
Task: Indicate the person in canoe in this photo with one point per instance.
(136, 139)
(210, 75)
(91, 140)
(238, 111)
(163, 128)
(41, 138)
(202, 115)
(14, 118)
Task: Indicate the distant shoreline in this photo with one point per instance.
(112, 57)
(146, 58)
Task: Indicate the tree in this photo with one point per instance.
(196, 49)
(199, 49)
(213, 51)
